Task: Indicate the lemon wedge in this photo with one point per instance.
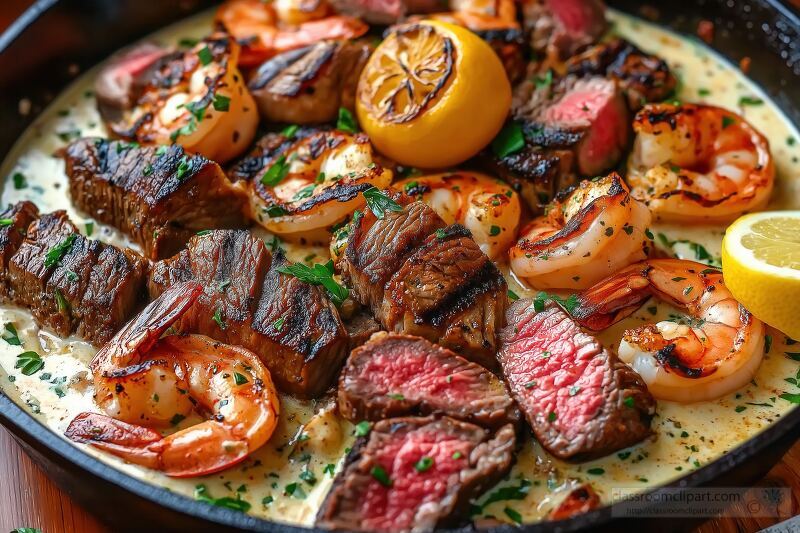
(761, 265)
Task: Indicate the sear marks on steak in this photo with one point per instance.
(160, 196)
(422, 278)
(397, 375)
(73, 284)
(377, 248)
(379, 488)
(291, 325)
(16, 218)
(580, 399)
(449, 292)
(310, 84)
(643, 77)
(558, 29)
(573, 127)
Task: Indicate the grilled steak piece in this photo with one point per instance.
(360, 327)
(580, 399)
(377, 248)
(120, 82)
(310, 84)
(561, 28)
(16, 218)
(642, 77)
(73, 284)
(387, 11)
(383, 486)
(291, 325)
(421, 278)
(398, 375)
(159, 196)
(572, 127)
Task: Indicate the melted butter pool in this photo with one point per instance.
(287, 479)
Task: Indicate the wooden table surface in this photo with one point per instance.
(29, 499)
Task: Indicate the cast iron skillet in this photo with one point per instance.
(55, 40)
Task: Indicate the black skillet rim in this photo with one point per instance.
(19, 421)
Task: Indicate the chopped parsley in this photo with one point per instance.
(380, 475)
(424, 464)
(398, 397)
(512, 295)
(628, 402)
(379, 202)
(205, 56)
(61, 302)
(551, 417)
(509, 141)
(309, 477)
(183, 168)
(305, 192)
(217, 317)
(494, 231)
(330, 468)
(318, 274)
(237, 503)
(20, 182)
(545, 81)
(221, 103)
(457, 455)
(29, 362)
(176, 419)
(278, 323)
(513, 492)
(362, 428)
(6, 221)
(239, 379)
(569, 304)
(276, 172)
(10, 335)
(511, 513)
(750, 101)
(346, 122)
(596, 471)
(58, 251)
(290, 131)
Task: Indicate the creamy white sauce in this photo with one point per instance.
(687, 436)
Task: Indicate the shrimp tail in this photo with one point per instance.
(614, 298)
(128, 441)
(200, 450)
(141, 333)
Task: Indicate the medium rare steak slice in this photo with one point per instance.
(74, 284)
(572, 127)
(643, 77)
(291, 325)
(397, 375)
(310, 84)
(160, 196)
(561, 28)
(415, 474)
(15, 221)
(580, 399)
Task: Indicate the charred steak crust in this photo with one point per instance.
(310, 84)
(422, 278)
(398, 375)
(291, 325)
(160, 196)
(465, 461)
(581, 401)
(73, 284)
(450, 292)
(643, 77)
(19, 216)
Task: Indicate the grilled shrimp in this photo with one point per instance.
(590, 232)
(314, 182)
(195, 98)
(699, 163)
(713, 351)
(485, 206)
(143, 380)
(269, 28)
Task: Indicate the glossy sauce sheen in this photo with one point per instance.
(287, 479)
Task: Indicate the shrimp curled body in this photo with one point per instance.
(144, 380)
(699, 163)
(715, 350)
(591, 232)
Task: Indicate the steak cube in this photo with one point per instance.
(580, 399)
(160, 196)
(16, 219)
(397, 375)
(415, 474)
